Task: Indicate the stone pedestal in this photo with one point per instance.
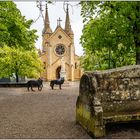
(63, 70)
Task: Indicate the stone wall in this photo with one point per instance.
(108, 96)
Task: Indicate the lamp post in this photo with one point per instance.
(109, 57)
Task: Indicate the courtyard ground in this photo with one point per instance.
(47, 114)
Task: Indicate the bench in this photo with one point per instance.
(110, 96)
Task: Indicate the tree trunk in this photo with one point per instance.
(16, 73)
(137, 33)
(17, 78)
(138, 56)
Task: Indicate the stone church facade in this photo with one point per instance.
(58, 51)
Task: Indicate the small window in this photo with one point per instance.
(44, 65)
(59, 36)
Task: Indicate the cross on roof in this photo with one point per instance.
(58, 21)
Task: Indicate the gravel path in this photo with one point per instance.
(48, 114)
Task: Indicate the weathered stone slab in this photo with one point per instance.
(108, 96)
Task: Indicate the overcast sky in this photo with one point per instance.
(55, 10)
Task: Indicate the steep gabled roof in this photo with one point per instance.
(47, 28)
(59, 28)
(68, 29)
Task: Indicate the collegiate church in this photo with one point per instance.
(58, 51)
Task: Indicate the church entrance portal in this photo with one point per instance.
(58, 72)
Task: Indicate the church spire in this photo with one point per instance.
(67, 23)
(47, 28)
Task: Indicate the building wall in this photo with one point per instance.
(53, 61)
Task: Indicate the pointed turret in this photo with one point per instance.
(47, 29)
(68, 29)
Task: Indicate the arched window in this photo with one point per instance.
(76, 66)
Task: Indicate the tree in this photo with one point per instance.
(111, 31)
(19, 62)
(17, 44)
(14, 28)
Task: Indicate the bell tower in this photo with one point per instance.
(70, 33)
(47, 31)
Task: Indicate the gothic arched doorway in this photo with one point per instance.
(58, 72)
